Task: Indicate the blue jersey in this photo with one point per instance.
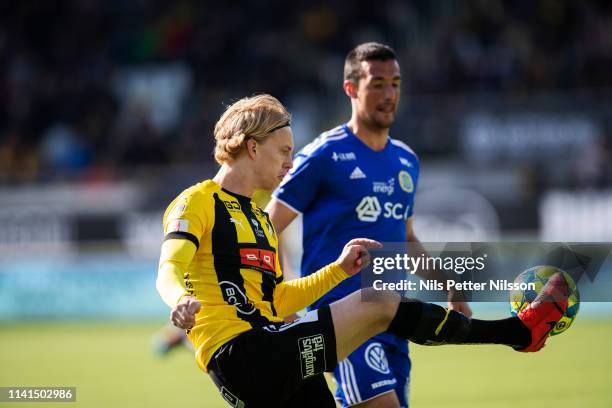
(346, 190)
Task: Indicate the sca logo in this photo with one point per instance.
(369, 209)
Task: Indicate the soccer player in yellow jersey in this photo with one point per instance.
(219, 272)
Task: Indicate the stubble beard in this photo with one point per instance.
(376, 124)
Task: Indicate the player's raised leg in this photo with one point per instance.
(355, 321)
(429, 324)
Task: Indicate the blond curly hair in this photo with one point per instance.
(251, 117)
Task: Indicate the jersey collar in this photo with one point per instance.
(360, 142)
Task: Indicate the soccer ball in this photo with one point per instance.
(519, 299)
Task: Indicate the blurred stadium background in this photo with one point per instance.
(106, 113)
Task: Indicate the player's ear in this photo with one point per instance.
(350, 88)
(251, 147)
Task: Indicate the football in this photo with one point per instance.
(539, 275)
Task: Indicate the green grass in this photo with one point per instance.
(573, 370)
(111, 364)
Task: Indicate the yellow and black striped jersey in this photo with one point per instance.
(222, 248)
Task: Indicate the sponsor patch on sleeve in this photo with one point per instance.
(177, 226)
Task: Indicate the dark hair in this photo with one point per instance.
(370, 51)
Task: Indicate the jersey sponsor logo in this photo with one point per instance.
(357, 173)
(382, 383)
(232, 205)
(257, 229)
(343, 156)
(369, 209)
(260, 258)
(406, 162)
(387, 187)
(312, 355)
(234, 296)
(376, 358)
(178, 226)
(395, 211)
(231, 398)
(405, 181)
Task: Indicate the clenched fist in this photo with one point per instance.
(183, 314)
(355, 255)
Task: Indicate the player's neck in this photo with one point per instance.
(236, 180)
(375, 139)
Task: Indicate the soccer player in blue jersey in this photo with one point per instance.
(351, 181)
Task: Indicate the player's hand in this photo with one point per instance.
(355, 255)
(456, 302)
(183, 314)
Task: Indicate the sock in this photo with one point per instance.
(510, 331)
(430, 324)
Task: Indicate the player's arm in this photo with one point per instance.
(176, 255)
(184, 224)
(292, 296)
(417, 250)
(280, 215)
(299, 188)
(294, 195)
(456, 300)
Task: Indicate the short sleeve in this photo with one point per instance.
(299, 189)
(413, 195)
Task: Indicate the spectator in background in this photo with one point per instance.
(58, 60)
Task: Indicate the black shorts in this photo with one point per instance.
(278, 365)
